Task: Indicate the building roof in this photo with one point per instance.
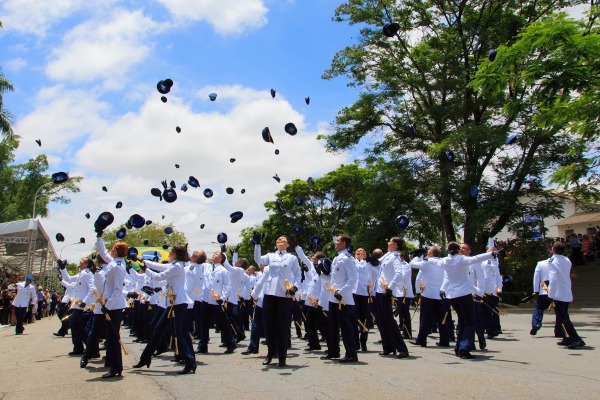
(25, 246)
(580, 218)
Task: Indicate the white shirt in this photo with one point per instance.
(99, 279)
(113, 286)
(491, 277)
(457, 273)
(559, 272)
(343, 277)
(364, 277)
(283, 267)
(432, 276)
(405, 288)
(174, 274)
(540, 275)
(83, 289)
(24, 295)
(217, 280)
(390, 272)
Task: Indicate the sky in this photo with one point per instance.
(85, 76)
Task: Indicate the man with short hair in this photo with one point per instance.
(559, 273)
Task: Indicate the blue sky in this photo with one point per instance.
(85, 77)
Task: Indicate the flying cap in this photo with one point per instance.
(148, 222)
(178, 129)
(169, 195)
(201, 226)
(156, 192)
(450, 156)
(137, 221)
(232, 160)
(87, 215)
(184, 188)
(273, 92)
(30, 278)
(266, 135)
(165, 246)
(276, 152)
(168, 230)
(298, 201)
(402, 221)
(60, 177)
(307, 100)
(176, 165)
(474, 191)
(212, 96)
(277, 178)
(410, 130)
(391, 29)
(163, 99)
(131, 252)
(119, 204)
(492, 55)
(121, 233)
(82, 240)
(60, 237)
(146, 242)
(104, 189)
(229, 190)
(310, 180)
(511, 139)
(193, 182)
(243, 191)
(103, 221)
(236, 216)
(208, 193)
(39, 142)
(164, 86)
(222, 237)
(291, 129)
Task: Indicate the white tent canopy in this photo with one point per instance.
(25, 247)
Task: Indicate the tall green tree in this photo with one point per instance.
(20, 182)
(5, 116)
(418, 103)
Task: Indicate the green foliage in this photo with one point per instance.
(20, 182)
(432, 74)
(154, 233)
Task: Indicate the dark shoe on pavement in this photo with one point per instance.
(230, 350)
(348, 359)
(577, 344)
(328, 357)
(465, 354)
(563, 343)
(533, 331)
(248, 352)
(438, 344)
(417, 343)
(387, 353)
(402, 354)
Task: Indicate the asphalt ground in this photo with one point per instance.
(515, 365)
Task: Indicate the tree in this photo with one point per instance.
(19, 184)
(344, 199)
(5, 117)
(418, 103)
(154, 233)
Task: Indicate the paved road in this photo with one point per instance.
(515, 366)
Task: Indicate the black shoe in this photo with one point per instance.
(230, 350)
(417, 343)
(76, 353)
(387, 353)
(95, 356)
(402, 354)
(281, 364)
(533, 331)
(482, 345)
(141, 363)
(187, 370)
(58, 334)
(328, 357)
(563, 343)
(267, 360)
(465, 354)
(202, 351)
(223, 345)
(248, 352)
(348, 359)
(317, 348)
(363, 348)
(577, 344)
(240, 338)
(83, 362)
(159, 352)
(438, 344)
(491, 335)
(111, 374)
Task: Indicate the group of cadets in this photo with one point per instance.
(167, 305)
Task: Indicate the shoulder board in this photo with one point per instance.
(118, 262)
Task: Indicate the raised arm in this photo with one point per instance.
(258, 259)
(102, 250)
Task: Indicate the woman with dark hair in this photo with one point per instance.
(174, 274)
(281, 283)
(459, 289)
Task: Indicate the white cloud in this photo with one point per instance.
(60, 119)
(102, 48)
(36, 17)
(137, 150)
(15, 65)
(227, 17)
